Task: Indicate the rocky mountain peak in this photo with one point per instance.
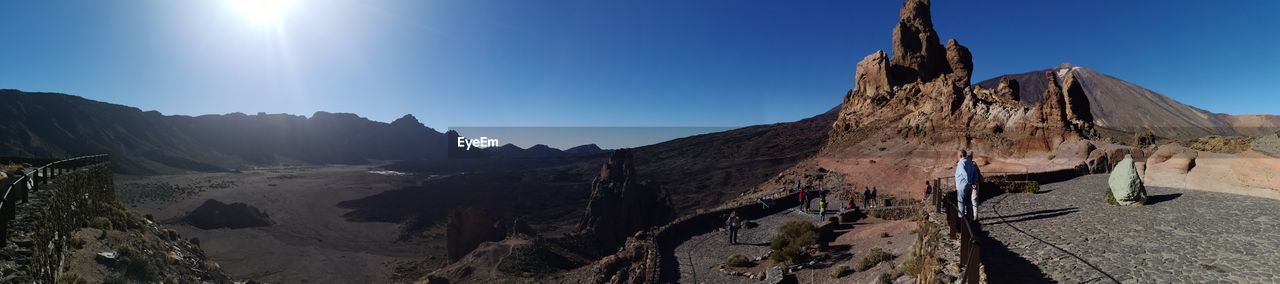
(917, 55)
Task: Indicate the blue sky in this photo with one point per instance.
(602, 63)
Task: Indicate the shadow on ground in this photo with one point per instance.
(1005, 266)
(1154, 199)
(1033, 215)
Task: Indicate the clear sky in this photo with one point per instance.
(600, 63)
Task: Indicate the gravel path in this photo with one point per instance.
(700, 256)
(1068, 234)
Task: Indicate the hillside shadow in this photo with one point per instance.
(1155, 199)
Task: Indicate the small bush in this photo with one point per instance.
(136, 266)
(100, 223)
(885, 278)
(885, 235)
(71, 278)
(1111, 199)
(788, 245)
(841, 271)
(76, 243)
(873, 257)
(738, 260)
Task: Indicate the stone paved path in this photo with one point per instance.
(1068, 234)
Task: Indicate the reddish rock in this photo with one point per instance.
(961, 61)
(872, 75)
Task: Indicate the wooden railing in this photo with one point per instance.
(19, 187)
(944, 201)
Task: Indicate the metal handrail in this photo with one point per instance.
(30, 181)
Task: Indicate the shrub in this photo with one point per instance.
(885, 278)
(100, 223)
(76, 243)
(738, 260)
(841, 271)
(1111, 199)
(885, 235)
(788, 245)
(71, 278)
(136, 266)
(873, 257)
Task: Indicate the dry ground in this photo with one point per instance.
(311, 241)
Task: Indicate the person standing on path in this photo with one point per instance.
(733, 224)
(822, 208)
(866, 197)
(975, 181)
(928, 188)
(875, 196)
(964, 182)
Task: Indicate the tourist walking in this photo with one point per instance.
(733, 224)
(928, 188)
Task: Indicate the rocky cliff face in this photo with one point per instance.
(922, 94)
(621, 204)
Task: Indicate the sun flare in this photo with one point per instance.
(263, 13)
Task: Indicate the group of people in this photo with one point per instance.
(967, 176)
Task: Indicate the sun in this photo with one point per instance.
(262, 13)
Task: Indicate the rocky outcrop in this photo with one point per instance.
(961, 61)
(1076, 103)
(1008, 88)
(636, 262)
(872, 75)
(621, 204)
(1173, 157)
(1126, 186)
(917, 55)
(468, 227)
(217, 215)
(928, 101)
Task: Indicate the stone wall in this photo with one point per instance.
(42, 225)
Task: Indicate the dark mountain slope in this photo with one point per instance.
(57, 125)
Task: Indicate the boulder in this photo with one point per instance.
(917, 55)
(1174, 157)
(775, 275)
(1125, 183)
(961, 61)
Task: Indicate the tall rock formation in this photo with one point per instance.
(916, 52)
(961, 61)
(621, 204)
(929, 101)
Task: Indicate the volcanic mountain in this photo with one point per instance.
(1121, 108)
